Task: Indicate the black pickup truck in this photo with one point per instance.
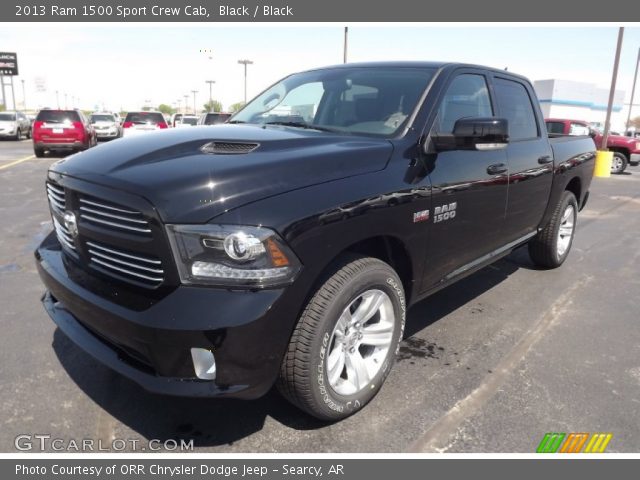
(286, 246)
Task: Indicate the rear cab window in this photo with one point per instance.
(515, 105)
(555, 127)
(144, 117)
(216, 118)
(58, 116)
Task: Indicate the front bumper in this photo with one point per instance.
(58, 145)
(246, 330)
(107, 133)
(634, 158)
(7, 133)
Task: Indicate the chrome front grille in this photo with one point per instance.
(64, 237)
(130, 266)
(112, 216)
(56, 197)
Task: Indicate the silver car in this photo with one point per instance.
(106, 124)
(14, 125)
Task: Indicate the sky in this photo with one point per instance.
(129, 66)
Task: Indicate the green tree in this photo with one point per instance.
(236, 106)
(166, 109)
(213, 106)
(146, 109)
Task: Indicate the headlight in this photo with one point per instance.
(231, 255)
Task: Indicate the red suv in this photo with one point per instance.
(62, 130)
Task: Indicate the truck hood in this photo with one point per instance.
(185, 185)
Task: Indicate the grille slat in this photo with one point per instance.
(63, 235)
(56, 197)
(129, 264)
(103, 214)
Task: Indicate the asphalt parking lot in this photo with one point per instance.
(488, 365)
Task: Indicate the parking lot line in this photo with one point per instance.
(16, 162)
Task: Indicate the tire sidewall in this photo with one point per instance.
(333, 404)
(623, 160)
(567, 199)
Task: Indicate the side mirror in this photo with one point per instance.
(592, 133)
(475, 133)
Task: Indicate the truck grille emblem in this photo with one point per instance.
(70, 223)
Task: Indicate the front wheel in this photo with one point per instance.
(550, 247)
(346, 340)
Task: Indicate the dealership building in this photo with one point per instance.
(580, 101)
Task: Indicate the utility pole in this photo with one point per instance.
(245, 63)
(210, 82)
(194, 101)
(346, 42)
(633, 90)
(614, 78)
(24, 96)
(186, 100)
(65, 101)
(58, 99)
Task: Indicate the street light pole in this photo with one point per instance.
(194, 101)
(186, 99)
(65, 101)
(210, 82)
(346, 41)
(245, 63)
(24, 96)
(58, 99)
(633, 90)
(614, 78)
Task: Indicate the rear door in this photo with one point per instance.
(469, 187)
(529, 155)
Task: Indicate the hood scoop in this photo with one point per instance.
(228, 148)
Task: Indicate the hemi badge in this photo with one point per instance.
(421, 216)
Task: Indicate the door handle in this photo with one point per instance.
(545, 159)
(496, 168)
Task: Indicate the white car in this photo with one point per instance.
(106, 124)
(14, 125)
(136, 123)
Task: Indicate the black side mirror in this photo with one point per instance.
(475, 133)
(592, 133)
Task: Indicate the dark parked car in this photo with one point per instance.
(66, 130)
(286, 247)
(213, 118)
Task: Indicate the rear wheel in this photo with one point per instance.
(39, 152)
(346, 340)
(619, 162)
(551, 246)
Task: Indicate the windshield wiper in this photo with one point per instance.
(309, 126)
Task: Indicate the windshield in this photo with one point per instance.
(359, 100)
(7, 117)
(102, 118)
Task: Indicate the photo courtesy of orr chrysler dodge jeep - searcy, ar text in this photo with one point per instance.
(285, 246)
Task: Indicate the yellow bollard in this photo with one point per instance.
(603, 164)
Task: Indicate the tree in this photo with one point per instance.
(145, 109)
(236, 106)
(213, 106)
(166, 109)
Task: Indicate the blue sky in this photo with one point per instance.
(124, 66)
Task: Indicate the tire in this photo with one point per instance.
(317, 340)
(619, 163)
(39, 152)
(18, 135)
(550, 247)
(29, 134)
